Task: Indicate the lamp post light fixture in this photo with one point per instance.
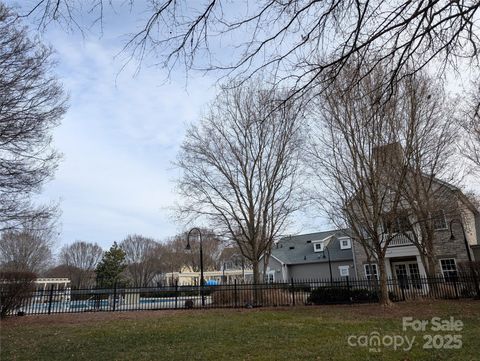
(467, 248)
(188, 248)
(325, 248)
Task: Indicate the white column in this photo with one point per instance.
(421, 267)
(388, 268)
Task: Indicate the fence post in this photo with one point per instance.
(293, 291)
(114, 295)
(176, 294)
(50, 299)
(235, 292)
(348, 289)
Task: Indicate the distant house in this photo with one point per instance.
(188, 277)
(231, 267)
(318, 255)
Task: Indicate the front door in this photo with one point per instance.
(407, 274)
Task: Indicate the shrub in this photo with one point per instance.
(15, 287)
(325, 295)
(468, 291)
(465, 269)
(302, 287)
(245, 297)
(189, 303)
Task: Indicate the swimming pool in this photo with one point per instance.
(107, 305)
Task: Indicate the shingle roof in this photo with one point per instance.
(299, 249)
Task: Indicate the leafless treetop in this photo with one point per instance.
(297, 39)
(31, 104)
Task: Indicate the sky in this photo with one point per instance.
(118, 139)
(120, 136)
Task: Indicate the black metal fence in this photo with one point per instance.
(239, 295)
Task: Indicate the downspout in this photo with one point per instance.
(285, 272)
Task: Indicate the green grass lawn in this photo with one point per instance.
(304, 333)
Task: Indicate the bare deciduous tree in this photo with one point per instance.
(378, 155)
(142, 258)
(81, 259)
(28, 249)
(471, 123)
(212, 247)
(428, 194)
(31, 104)
(173, 256)
(240, 166)
(303, 39)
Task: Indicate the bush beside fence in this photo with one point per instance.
(15, 290)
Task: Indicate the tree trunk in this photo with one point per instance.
(431, 266)
(383, 297)
(257, 299)
(429, 261)
(256, 272)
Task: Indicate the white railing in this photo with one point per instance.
(400, 240)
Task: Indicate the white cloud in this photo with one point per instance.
(118, 138)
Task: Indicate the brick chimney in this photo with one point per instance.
(389, 156)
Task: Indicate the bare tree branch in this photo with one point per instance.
(31, 105)
(376, 156)
(301, 41)
(240, 167)
(80, 260)
(28, 249)
(142, 258)
(470, 147)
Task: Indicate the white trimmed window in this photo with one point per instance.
(270, 277)
(439, 220)
(449, 268)
(344, 271)
(345, 243)
(318, 246)
(371, 271)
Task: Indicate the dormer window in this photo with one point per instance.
(318, 246)
(344, 271)
(345, 243)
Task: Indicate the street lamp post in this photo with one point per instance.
(325, 248)
(188, 247)
(467, 247)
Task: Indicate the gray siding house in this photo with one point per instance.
(318, 255)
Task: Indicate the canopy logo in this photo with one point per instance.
(445, 335)
(375, 342)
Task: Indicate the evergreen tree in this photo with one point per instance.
(110, 269)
